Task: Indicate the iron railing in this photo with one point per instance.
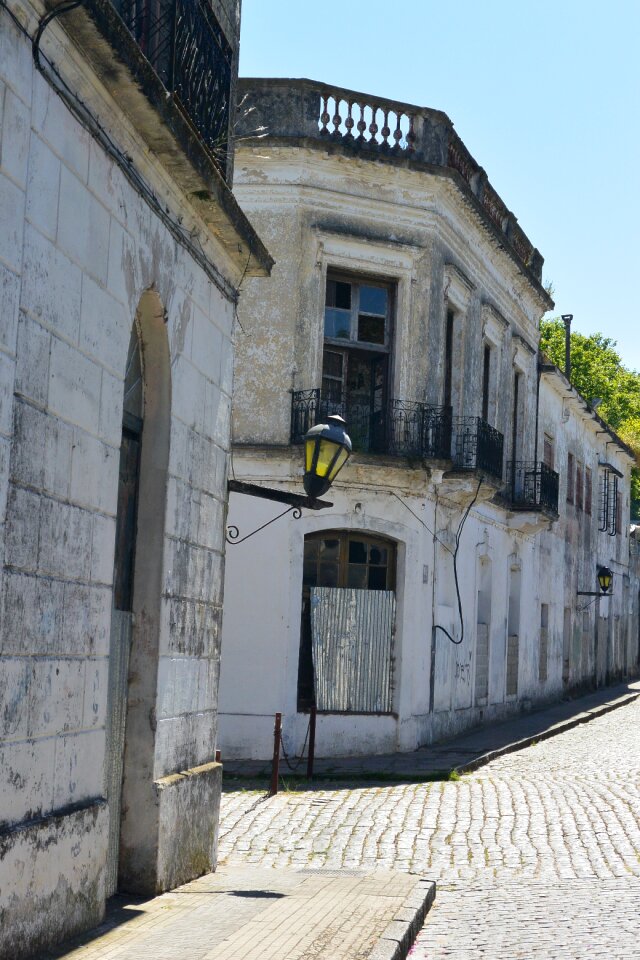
(532, 486)
(477, 446)
(405, 428)
(185, 45)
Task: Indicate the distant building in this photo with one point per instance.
(407, 298)
(121, 253)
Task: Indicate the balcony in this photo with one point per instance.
(336, 119)
(531, 487)
(406, 428)
(171, 69)
(183, 42)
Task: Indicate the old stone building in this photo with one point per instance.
(121, 253)
(440, 589)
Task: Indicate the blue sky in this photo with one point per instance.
(546, 96)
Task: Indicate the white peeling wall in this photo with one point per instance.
(78, 248)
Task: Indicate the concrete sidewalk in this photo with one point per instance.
(252, 913)
(462, 753)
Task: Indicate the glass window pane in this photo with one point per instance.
(337, 323)
(370, 329)
(327, 575)
(310, 573)
(332, 363)
(357, 576)
(373, 300)
(377, 578)
(377, 555)
(311, 549)
(357, 551)
(330, 550)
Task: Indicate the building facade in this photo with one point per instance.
(121, 253)
(432, 594)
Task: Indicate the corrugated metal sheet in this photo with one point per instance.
(120, 643)
(352, 645)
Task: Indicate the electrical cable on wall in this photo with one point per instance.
(463, 520)
(89, 122)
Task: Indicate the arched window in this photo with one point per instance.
(348, 614)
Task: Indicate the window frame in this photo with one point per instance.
(357, 281)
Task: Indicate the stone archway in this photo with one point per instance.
(140, 526)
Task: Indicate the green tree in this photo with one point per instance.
(598, 372)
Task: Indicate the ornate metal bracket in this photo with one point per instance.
(296, 503)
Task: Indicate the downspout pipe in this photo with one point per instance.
(566, 319)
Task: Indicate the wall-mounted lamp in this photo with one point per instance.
(604, 577)
(327, 447)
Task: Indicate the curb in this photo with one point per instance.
(553, 731)
(399, 936)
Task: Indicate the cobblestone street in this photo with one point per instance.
(537, 855)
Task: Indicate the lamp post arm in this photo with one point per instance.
(280, 496)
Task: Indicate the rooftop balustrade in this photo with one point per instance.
(390, 129)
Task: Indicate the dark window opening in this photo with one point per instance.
(448, 358)
(516, 412)
(570, 479)
(486, 374)
(128, 479)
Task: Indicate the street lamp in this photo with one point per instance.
(605, 579)
(327, 447)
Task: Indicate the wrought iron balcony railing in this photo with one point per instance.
(184, 43)
(477, 446)
(405, 428)
(531, 486)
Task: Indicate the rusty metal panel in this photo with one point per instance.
(120, 643)
(352, 644)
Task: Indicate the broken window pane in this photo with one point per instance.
(330, 549)
(377, 578)
(377, 555)
(371, 329)
(357, 551)
(338, 294)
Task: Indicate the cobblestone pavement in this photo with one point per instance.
(537, 855)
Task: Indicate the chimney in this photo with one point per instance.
(566, 319)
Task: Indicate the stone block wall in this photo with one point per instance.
(78, 250)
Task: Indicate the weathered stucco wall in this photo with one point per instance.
(78, 250)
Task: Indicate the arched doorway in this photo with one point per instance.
(137, 586)
(348, 623)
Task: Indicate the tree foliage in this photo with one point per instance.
(598, 372)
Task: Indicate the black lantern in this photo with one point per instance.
(605, 579)
(327, 448)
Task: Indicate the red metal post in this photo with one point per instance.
(218, 756)
(277, 730)
(312, 742)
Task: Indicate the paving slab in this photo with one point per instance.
(253, 913)
(463, 753)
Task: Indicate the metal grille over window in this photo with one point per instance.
(609, 503)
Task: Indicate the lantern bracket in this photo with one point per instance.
(295, 503)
